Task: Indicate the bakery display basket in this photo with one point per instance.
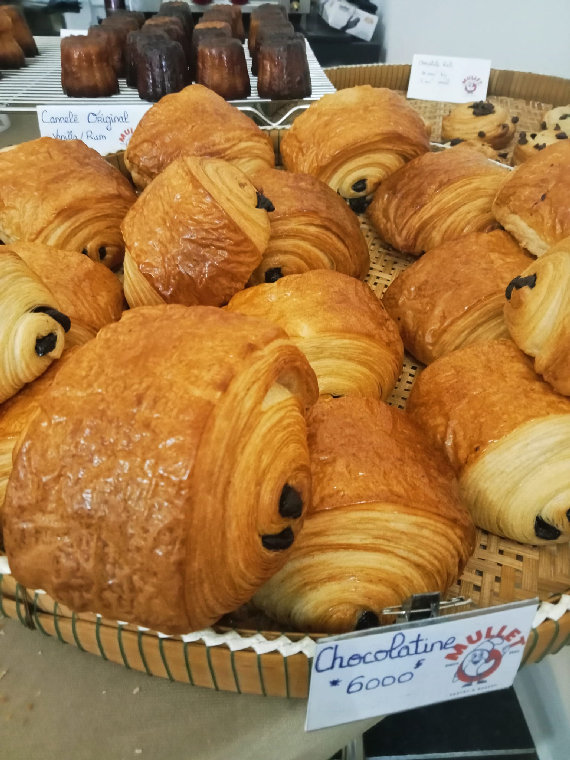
(245, 652)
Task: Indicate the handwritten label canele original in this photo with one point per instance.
(106, 129)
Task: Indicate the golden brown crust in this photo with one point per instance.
(196, 122)
(436, 198)
(537, 315)
(356, 135)
(558, 117)
(339, 324)
(87, 292)
(454, 294)
(532, 204)
(530, 143)
(146, 487)
(477, 395)
(386, 520)
(32, 331)
(63, 194)
(507, 435)
(16, 414)
(195, 234)
(485, 121)
(311, 228)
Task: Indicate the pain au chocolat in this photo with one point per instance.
(32, 329)
(195, 122)
(166, 474)
(311, 228)
(195, 235)
(386, 521)
(87, 292)
(532, 204)
(342, 328)
(353, 139)
(506, 433)
(63, 194)
(435, 198)
(537, 315)
(454, 294)
(15, 415)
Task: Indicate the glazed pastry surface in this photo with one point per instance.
(196, 122)
(532, 204)
(354, 138)
(63, 194)
(506, 433)
(311, 228)
(342, 328)
(436, 198)
(537, 315)
(454, 294)
(154, 485)
(194, 236)
(386, 521)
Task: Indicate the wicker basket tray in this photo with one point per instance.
(245, 653)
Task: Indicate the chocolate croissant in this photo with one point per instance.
(351, 343)
(195, 122)
(454, 294)
(15, 415)
(354, 138)
(32, 328)
(87, 292)
(63, 194)
(532, 204)
(311, 228)
(436, 198)
(537, 315)
(169, 501)
(507, 436)
(386, 521)
(195, 235)
(488, 122)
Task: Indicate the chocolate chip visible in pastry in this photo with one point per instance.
(359, 205)
(515, 119)
(480, 133)
(46, 344)
(367, 619)
(263, 202)
(482, 108)
(290, 502)
(360, 186)
(60, 318)
(562, 136)
(456, 141)
(545, 530)
(273, 274)
(518, 283)
(278, 541)
(102, 252)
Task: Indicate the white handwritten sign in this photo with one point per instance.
(363, 675)
(107, 129)
(452, 80)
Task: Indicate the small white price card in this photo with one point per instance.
(106, 129)
(363, 675)
(449, 79)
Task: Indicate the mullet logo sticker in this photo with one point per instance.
(483, 653)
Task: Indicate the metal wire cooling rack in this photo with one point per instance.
(39, 83)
